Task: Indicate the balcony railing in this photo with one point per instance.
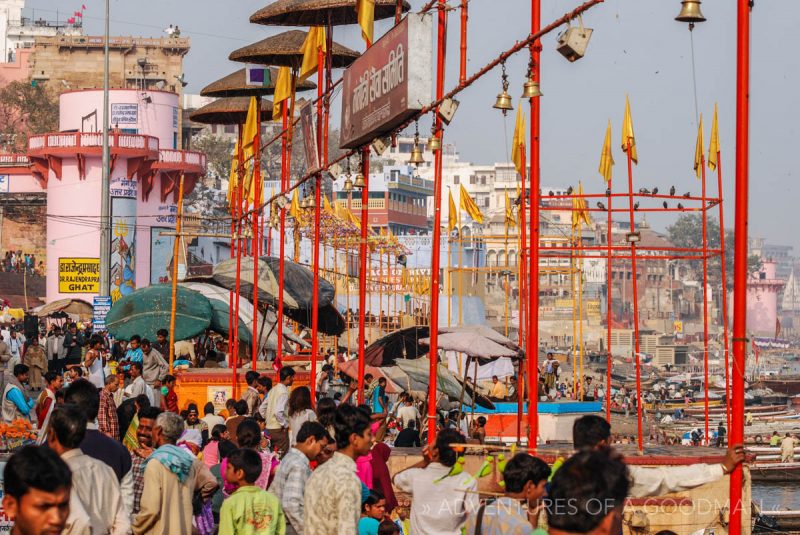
(183, 157)
(74, 140)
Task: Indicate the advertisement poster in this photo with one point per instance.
(78, 275)
(124, 114)
(160, 254)
(123, 247)
(218, 395)
(102, 305)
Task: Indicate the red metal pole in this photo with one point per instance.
(639, 436)
(234, 357)
(609, 310)
(705, 295)
(282, 237)
(740, 254)
(433, 353)
(315, 253)
(362, 278)
(724, 273)
(532, 342)
(256, 230)
(523, 259)
(462, 72)
(235, 215)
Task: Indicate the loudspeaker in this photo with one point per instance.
(30, 326)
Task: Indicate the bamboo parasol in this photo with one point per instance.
(235, 85)
(320, 12)
(229, 111)
(285, 50)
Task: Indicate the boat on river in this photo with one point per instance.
(775, 471)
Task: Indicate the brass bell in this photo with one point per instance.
(359, 183)
(690, 12)
(434, 142)
(308, 202)
(530, 89)
(503, 102)
(348, 185)
(416, 155)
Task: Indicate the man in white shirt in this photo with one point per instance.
(274, 410)
(593, 432)
(440, 502)
(94, 483)
(408, 412)
(138, 386)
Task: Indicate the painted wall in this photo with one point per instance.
(154, 251)
(130, 110)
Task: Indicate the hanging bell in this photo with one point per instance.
(416, 155)
(434, 142)
(690, 12)
(359, 183)
(348, 185)
(503, 102)
(530, 89)
(308, 202)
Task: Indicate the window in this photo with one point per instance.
(483, 180)
(456, 179)
(473, 179)
(486, 202)
(230, 128)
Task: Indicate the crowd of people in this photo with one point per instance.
(118, 454)
(18, 262)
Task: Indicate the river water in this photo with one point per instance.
(777, 496)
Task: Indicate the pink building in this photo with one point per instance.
(145, 171)
(762, 300)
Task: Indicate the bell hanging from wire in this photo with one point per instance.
(690, 12)
(434, 142)
(360, 183)
(348, 184)
(308, 202)
(503, 101)
(530, 89)
(416, 152)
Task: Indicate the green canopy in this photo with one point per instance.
(147, 310)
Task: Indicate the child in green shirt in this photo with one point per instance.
(249, 510)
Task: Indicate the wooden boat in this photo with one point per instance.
(672, 404)
(785, 384)
(777, 521)
(775, 471)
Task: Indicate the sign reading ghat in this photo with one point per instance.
(78, 275)
(388, 83)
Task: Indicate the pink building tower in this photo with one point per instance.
(762, 300)
(145, 171)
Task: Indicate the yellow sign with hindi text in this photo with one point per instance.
(78, 275)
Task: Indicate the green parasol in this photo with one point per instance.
(147, 310)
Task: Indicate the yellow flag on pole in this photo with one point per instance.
(326, 206)
(469, 206)
(452, 212)
(698, 150)
(283, 90)
(366, 18)
(518, 143)
(606, 159)
(580, 214)
(249, 133)
(628, 139)
(233, 178)
(315, 41)
(510, 220)
(713, 145)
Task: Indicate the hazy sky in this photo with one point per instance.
(637, 48)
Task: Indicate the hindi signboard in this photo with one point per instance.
(388, 83)
(101, 306)
(122, 113)
(79, 275)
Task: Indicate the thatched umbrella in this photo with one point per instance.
(235, 85)
(320, 12)
(229, 111)
(285, 50)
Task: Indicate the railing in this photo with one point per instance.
(14, 159)
(183, 157)
(124, 42)
(92, 140)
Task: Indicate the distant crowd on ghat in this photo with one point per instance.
(117, 455)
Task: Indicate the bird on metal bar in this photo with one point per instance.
(666, 205)
(655, 191)
(601, 205)
(569, 190)
(550, 193)
(608, 192)
(687, 194)
(672, 190)
(636, 206)
(680, 206)
(644, 191)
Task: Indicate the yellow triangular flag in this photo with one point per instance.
(606, 159)
(326, 206)
(510, 220)
(452, 213)
(579, 212)
(294, 209)
(315, 41)
(233, 177)
(628, 139)
(698, 150)
(468, 205)
(249, 133)
(366, 19)
(283, 90)
(518, 143)
(713, 145)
